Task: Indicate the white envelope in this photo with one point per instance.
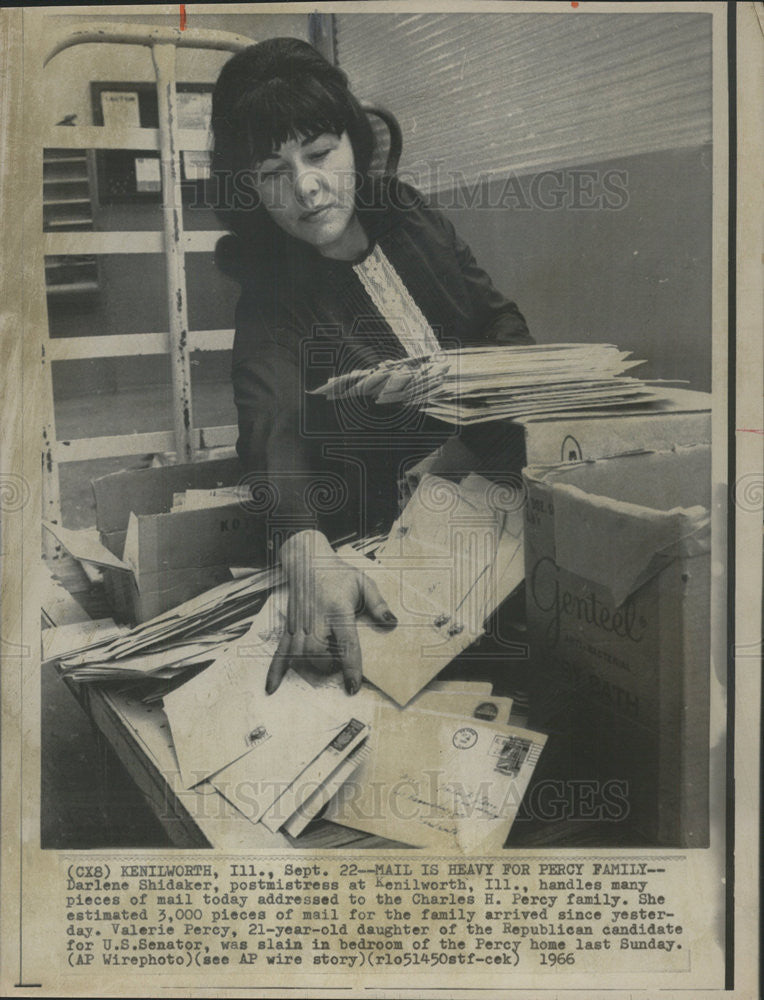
(314, 803)
(224, 713)
(440, 782)
(447, 701)
(315, 775)
(401, 661)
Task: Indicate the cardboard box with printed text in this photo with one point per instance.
(677, 417)
(617, 558)
(170, 557)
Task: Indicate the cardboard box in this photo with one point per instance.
(617, 558)
(170, 557)
(676, 417)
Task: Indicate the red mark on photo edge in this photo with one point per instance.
(749, 430)
(183, 16)
(574, 4)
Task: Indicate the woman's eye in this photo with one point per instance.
(318, 155)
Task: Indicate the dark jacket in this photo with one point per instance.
(302, 318)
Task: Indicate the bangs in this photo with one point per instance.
(284, 109)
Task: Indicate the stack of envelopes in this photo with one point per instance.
(445, 771)
(408, 758)
(186, 636)
(477, 384)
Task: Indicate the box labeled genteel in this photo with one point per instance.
(617, 559)
(171, 556)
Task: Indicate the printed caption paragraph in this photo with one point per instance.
(534, 916)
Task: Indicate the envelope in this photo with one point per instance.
(476, 703)
(315, 802)
(444, 783)
(315, 775)
(403, 660)
(67, 641)
(224, 713)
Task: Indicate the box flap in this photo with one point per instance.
(150, 491)
(660, 480)
(619, 521)
(130, 553)
(85, 546)
(622, 545)
(156, 544)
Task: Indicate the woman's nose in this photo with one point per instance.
(307, 184)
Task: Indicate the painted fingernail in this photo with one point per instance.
(351, 685)
(390, 617)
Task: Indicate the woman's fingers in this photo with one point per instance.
(324, 597)
(293, 607)
(375, 605)
(319, 652)
(280, 663)
(348, 652)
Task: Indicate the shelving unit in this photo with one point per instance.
(68, 207)
(72, 250)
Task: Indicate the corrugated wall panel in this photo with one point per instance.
(488, 94)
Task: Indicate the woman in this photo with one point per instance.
(338, 271)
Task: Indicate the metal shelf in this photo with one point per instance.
(66, 209)
(67, 201)
(73, 288)
(69, 221)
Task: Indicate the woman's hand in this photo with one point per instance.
(324, 596)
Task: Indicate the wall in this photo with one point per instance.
(638, 276)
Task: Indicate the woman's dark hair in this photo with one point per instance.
(266, 94)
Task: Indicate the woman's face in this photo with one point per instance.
(308, 188)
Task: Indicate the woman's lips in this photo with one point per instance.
(316, 214)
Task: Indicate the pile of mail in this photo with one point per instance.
(184, 637)
(444, 771)
(449, 560)
(427, 763)
(476, 384)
